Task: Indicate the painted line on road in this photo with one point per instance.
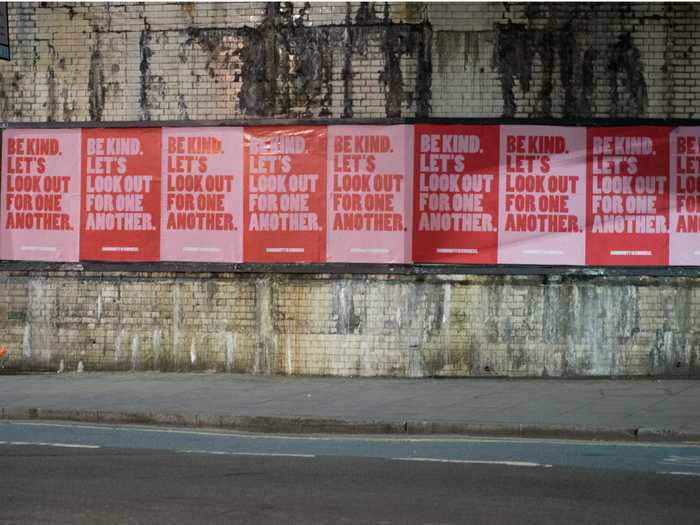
(44, 444)
(265, 454)
(361, 437)
(680, 473)
(479, 462)
(686, 461)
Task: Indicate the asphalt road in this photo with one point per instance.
(63, 473)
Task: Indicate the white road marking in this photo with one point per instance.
(680, 473)
(44, 444)
(686, 461)
(392, 439)
(478, 462)
(266, 454)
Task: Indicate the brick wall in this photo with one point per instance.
(112, 61)
(198, 61)
(439, 325)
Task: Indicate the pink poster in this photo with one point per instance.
(542, 195)
(202, 195)
(369, 194)
(685, 197)
(40, 195)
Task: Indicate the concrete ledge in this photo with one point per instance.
(301, 425)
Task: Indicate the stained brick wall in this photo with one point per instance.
(141, 62)
(442, 325)
(153, 61)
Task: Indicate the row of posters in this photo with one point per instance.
(613, 196)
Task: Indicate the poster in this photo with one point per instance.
(628, 196)
(685, 197)
(120, 213)
(285, 194)
(202, 197)
(424, 194)
(455, 198)
(369, 190)
(542, 195)
(40, 195)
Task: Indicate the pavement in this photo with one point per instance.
(606, 409)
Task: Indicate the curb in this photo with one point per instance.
(302, 425)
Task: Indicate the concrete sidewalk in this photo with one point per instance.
(636, 409)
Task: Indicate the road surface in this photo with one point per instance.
(75, 473)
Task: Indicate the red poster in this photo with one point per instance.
(285, 194)
(455, 194)
(202, 195)
(40, 195)
(120, 212)
(628, 196)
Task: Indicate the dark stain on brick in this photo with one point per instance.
(518, 45)
(399, 40)
(182, 107)
(146, 80)
(424, 70)
(96, 81)
(547, 51)
(255, 93)
(514, 61)
(348, 46)
(286, 67)
(394, 47)
(52, 102)
(626, 69)
(588, 84)
(567, 57)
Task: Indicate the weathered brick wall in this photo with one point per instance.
(141, 62)
(445, 325)
(153, 61)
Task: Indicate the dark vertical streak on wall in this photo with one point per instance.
(96, 81)
(287, 65)
(567, 64)
(328, 43)
(545, 45)
(424, 70)
(391, 76)
(146, 53)
(51, 106)
(271, 58)
(252, 94)
(514, 60)
(347, 62)
(518, 45)
(5, 101)
(588, 84)
(626, 70)
(667, 68)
